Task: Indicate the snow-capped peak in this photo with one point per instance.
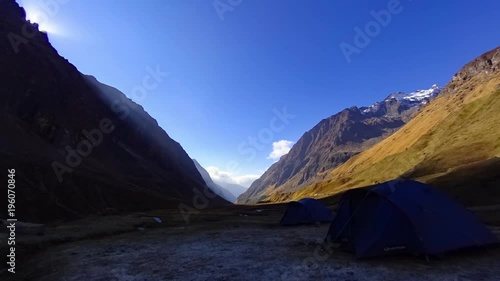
(419, 97)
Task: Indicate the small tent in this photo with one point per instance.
(306, 210)
(404, 216)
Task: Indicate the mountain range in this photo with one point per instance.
(221, 191)
(335, 140)
(80, 147)
(234, 188)
(451, 141)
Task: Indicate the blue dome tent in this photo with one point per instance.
(404, 216)
(306, 210)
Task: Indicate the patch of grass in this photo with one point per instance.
(455, 130)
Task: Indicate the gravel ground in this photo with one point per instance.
(242, 252)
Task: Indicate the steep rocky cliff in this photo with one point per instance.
(78, 146)
(335, 140)
(453, 143)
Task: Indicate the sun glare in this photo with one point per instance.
(45, 23)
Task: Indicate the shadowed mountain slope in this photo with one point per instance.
(78, 146)
(221, 191)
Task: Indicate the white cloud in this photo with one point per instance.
(219, 175)
(280, 148)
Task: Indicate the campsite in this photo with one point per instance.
(176, 140)
(231, 243)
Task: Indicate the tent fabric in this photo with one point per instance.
(404, 216)
(306, 210)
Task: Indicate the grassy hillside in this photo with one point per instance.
(458, 128)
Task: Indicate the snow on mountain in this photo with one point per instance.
(335, 140)
(417, 98)
(372, 108)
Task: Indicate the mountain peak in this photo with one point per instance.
(335, 140)
(406, 100)
(416, 96)
(488, 62)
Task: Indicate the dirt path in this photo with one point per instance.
(241, 252)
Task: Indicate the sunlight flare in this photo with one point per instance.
(45, 23)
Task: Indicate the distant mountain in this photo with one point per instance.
(452, 143)
(221, 191)
(234, 188)
(79, 147)
(335, 140)
(399, 102)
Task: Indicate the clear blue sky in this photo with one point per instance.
(227, 76)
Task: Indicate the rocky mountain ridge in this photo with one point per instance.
(221, 191)
(452, 143)
(336, 139)
(76, 153)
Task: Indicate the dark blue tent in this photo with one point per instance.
(404, 216)
(306, 210)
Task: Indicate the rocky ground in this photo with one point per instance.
(243, 244)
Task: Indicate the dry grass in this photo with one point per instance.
(455, 129)
(232, 243)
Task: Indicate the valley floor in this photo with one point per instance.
(242, 245)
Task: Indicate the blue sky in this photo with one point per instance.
(231, 68)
